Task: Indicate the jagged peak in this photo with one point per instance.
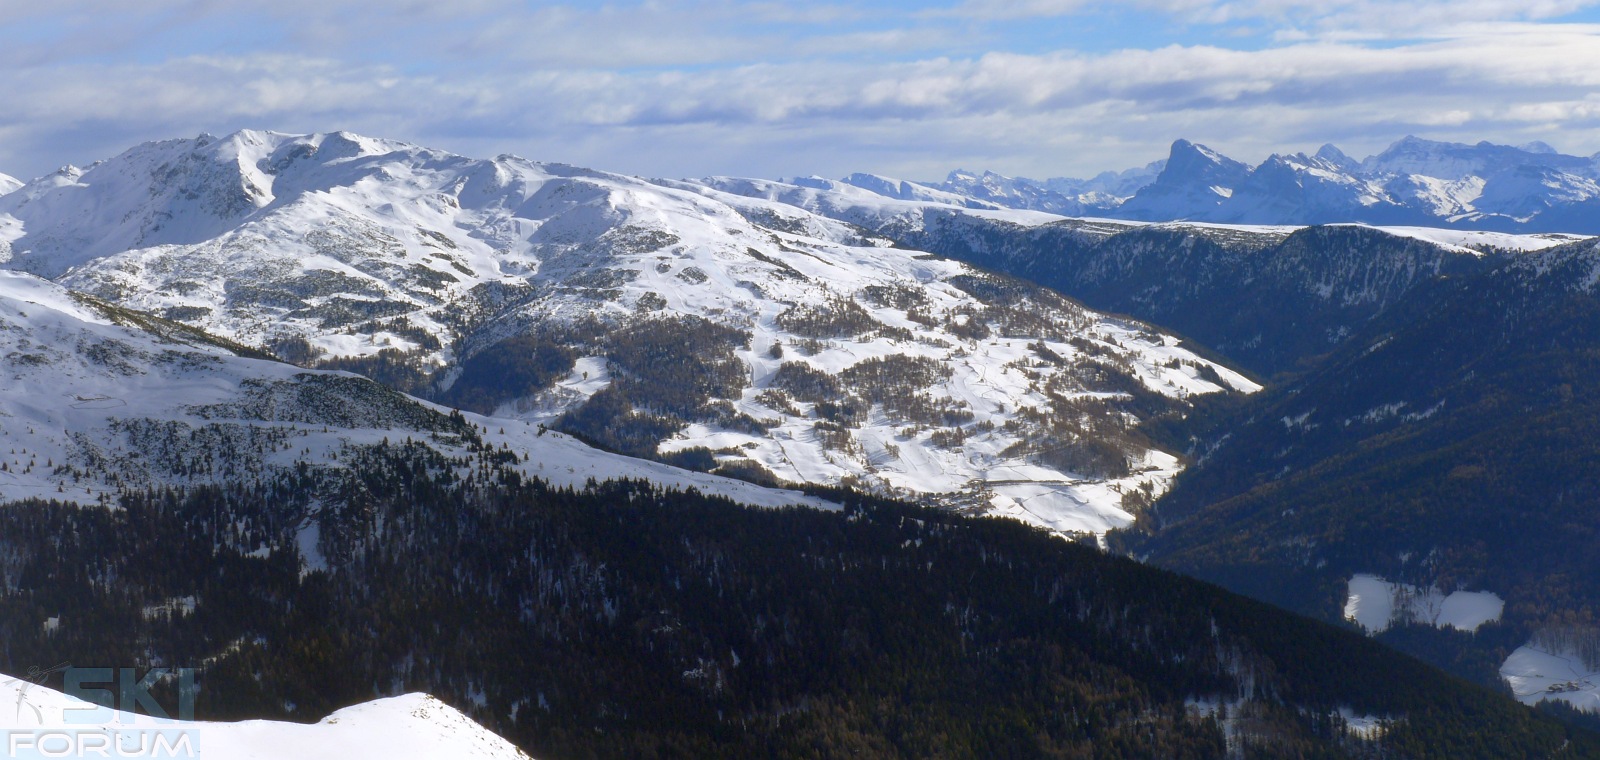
(1330, 151)
(1190, 160)
(1181, 145)
(1331, 154)
(1185, 154)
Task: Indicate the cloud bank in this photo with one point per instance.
(768, 89)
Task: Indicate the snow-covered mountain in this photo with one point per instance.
(41, 722)
(1309, 190)
(99, 399)
(1457, 161)
(1068, 196)
(902, 190)
(672, 320)
(1415, 182)
(8, 183)
(1018, 192)
(1109, 186)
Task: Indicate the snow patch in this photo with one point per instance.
(1368, 727)
(1375, 604)
(175, 607)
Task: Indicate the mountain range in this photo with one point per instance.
(1418, 182)
(353, 388)
(676, 321)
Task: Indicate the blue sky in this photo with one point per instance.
(771, 88)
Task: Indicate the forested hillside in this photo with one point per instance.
(627, 621)
(1450, 444)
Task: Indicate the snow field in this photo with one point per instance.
(1536, 674)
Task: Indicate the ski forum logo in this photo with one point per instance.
(104, 713)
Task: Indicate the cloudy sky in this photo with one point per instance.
(778, 88)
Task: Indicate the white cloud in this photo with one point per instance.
(1291, 20)
(630, 34)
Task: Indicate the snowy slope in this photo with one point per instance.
(1536, 673)
(999, 380)
(41, 721)
(262, 236)
(89, 406)
(1475, 241)
(8, 183)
